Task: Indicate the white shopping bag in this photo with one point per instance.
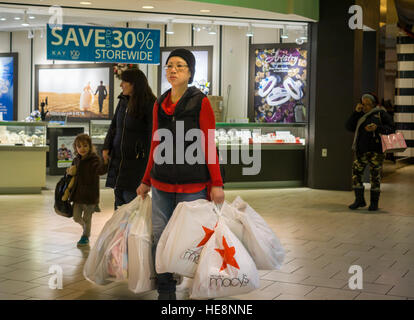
(96, 268)
(182, 240)
(258, 238)
(141, 273)
(225, 268)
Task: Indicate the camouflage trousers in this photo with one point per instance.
(375, 161)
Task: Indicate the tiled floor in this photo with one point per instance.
(322, 238)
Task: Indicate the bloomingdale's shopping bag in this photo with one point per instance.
(141, 273)
(394, 142)
(258, 238)
(96, 269)
(182, 240)
(225, 268)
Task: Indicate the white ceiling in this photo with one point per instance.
(109, 12)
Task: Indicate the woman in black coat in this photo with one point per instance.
(368, 121)
(128, 140)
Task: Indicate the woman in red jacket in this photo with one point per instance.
(179, 111)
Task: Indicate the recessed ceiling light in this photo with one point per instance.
(32, 17)
(17, 18)
(85, 3)
(3, 19)
(25, 24)
(204, 10)
(147, 7)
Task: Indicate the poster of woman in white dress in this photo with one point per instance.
(73, 92)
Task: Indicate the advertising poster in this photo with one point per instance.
(75, 92)
(65, 152)
(280, 85)
(6, 87)
(103, 44)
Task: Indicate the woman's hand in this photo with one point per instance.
(105, 155)
(217, 195)
(371, 127)
(142, 190)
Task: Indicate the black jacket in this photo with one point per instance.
(187, 112)
(88, 170)
(128, 141)
(370, 141)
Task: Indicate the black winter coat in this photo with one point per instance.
(128, 140)
(370, 141)
(88, 170)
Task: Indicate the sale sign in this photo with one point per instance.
(103, 44)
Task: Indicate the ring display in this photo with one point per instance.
(266, 85)
(293, 88)
(277, 97)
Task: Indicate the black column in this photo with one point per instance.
(336, 61)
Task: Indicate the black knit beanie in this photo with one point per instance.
(188, 57)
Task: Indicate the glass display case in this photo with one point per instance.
(27, 134)
(265, 134)
(98, 130)
(276, 154)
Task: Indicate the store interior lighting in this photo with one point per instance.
(30, 34)
(249, 32)
(284, 33)
(170, 29)
(212, 29)
(25, 23)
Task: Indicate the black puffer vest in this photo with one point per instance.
(188, 111)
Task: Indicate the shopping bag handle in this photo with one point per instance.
(217, 208)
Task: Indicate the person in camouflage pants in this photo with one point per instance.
(368, 122)
(375, 161)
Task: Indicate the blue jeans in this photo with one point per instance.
(123, 197)
(163, 205)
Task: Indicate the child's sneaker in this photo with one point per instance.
(84, 241)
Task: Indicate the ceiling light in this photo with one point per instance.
(147, 7)
(284, 34)
(205, 10)
(25, 23)
(196, 28)
(3, 19)
(86, 3)
(30, 34)
(212, 28)
(170, 29)
(32, 17)
(17, 18)
(249, 32)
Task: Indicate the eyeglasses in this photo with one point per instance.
(178, 67)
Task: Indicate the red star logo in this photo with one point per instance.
(228, 255)
(208, 234)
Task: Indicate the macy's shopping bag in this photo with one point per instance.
(394, 142)
(96, 268)
(141, 273)
(259, 240)
(182, 240)
(225, 268)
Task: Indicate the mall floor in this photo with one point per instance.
(322, 238)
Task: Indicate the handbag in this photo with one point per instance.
(394, 142)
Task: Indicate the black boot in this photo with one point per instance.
(374, 201)
(359, 199)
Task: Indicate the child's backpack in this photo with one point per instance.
(63, 207)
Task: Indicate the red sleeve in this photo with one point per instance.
(147, 178)
(208, 121)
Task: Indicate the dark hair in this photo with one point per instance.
(141, 92)
(83, 137)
